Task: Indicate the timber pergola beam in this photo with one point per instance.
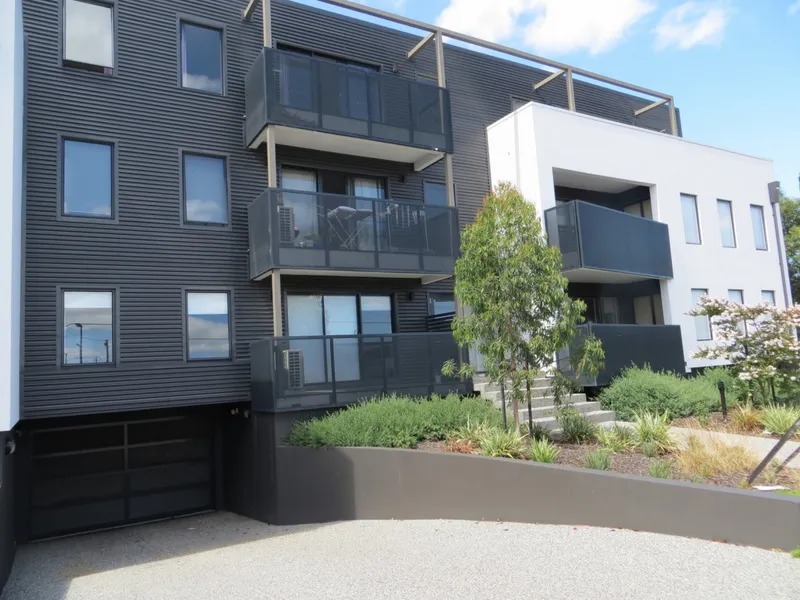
(423, 42)
(655, 104)
(248, 11)
(549, 78)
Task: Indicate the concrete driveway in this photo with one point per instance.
(221, 556)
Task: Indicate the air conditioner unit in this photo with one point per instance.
(293, 363)
(286, 225)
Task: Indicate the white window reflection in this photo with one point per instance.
(208, 325)
(88, 328)
(89, 33)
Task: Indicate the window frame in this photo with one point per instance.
(80, 67)
(182, 18)
(763, 227)
(774, 301)
(733, 224)
(425, 183)
(185, 291)
(710, 337)
(203, 225)
(697, 219)
(61, 157)
(323, 293)
(60, 290)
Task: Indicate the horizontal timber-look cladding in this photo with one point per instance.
(148, 255)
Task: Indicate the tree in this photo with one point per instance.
(790, 210)
(759, 341)
(519, 314)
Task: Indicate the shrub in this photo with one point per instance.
(746, 417)
(543, 451)
(502, 444)
(599, 459)
(779, 419)
(736, 390)
(653, 429)
(615, 439)
(715, 458)
(643, 390)
(575, 427)
(660, 469)
(650, 449)
(540, 432)
(796, 552)
(460, 446)
(394, 422)
(470, 433)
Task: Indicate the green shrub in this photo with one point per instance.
(643, 390)
(575, 427)
(540, 432)
(779, 419)
(736, 390)
(543, 451)
(660, 469)
(394, 422)
(652, 429)
(502, 444)
(617, 438)
(599, 459)
(650, 449)
(472, 432)
(796, 552)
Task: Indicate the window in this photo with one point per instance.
(609, 310)
(435, 194)
(736, 296)
(87, 181)
(702, 324)
(726, 228)
(759, 231)
(376, 314)
(691, 221)
(88, 337)
(768, 296)
(201, 58)
(89, 35)
(441, 304)
(205, 189)
(207, 325)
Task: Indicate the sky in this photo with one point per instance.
(733, 66)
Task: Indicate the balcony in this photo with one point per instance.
(602, 245)
(305, 373)
(329, 234)
(323, 105)
(659, 346)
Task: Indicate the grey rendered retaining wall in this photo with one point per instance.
(333, 484)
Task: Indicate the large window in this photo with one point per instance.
(87, 179)
(702, 324)
(726, 227)
(759, 230)
(201, 58)
(691, 221)
(89, 35)
(208, 334)
(88, 336)
(435, 194)
(205, 189)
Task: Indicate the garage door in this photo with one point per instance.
(98, 475)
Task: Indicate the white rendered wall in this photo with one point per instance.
(11, 159)
(525, 147)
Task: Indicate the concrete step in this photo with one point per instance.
(535, 402)
(541, 412)
(596, 416)
(543, 383)
(536, 392)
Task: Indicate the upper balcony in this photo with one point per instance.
(323, 105)
(331, 234)
(603, 245)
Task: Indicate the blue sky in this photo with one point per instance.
(733, 66)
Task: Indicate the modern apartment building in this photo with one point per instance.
(215, 223)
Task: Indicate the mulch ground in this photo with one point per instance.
(635, 463)
(716, 422)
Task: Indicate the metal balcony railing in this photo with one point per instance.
(286, 88)
(308, 230)
(591, 236)
(303, 373)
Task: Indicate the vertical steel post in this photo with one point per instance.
(442, 81)
(266, 22)
(673, 117)
(722, 400)
(570, 91)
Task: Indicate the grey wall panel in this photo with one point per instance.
(148, 254)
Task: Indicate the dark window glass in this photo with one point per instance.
(201, 58)
(205, 189)
(89, 34)
(88, 328)
(208, 325)
(435, 194)
(376, 314)
(440, 304)
(87, 179)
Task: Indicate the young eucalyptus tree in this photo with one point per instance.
(517, 311)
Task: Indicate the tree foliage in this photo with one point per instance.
(758, 340)
(790, 210)
(518, 313)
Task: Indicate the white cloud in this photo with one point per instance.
(691, 24)
(794, 7)
(549, 26)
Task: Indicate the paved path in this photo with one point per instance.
(222, 556)
(760, 446)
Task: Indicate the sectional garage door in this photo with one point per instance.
(96, 475)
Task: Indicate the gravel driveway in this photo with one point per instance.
(221, 556)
